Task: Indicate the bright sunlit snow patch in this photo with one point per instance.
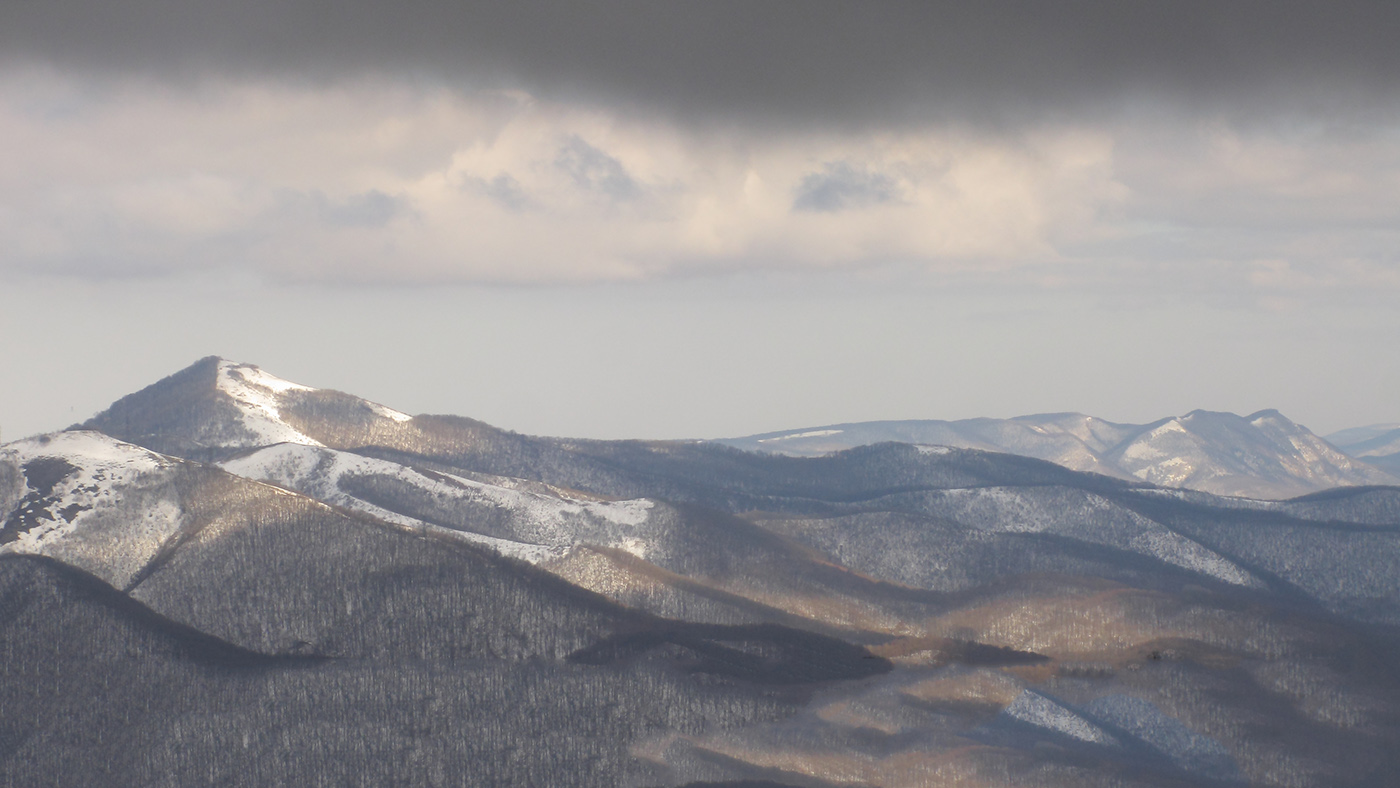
(809, 434)
(255, 376)
(1171, 472)
(1147, 446)
(627, 513)
(1041, 711)
(634, 546)
(256, 393)
(98, 451)
(545, 526)
(317, 472)
(389, 413)
(83, 513)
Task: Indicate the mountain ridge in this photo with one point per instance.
(456, 602)
(216, 406)
(1262, 455)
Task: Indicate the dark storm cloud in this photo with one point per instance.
(803, 60)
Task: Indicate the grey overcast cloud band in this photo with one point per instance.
(801, 61)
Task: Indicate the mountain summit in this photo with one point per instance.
(215, 405)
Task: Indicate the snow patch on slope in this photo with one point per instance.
(1090, 518)
(1039, 710)
(318, 473)
(89, 500)
(1189, 750)
(257, 395)
(389, 413)
(796, 435)
(547, 526)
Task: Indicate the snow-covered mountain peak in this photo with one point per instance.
(259, 389)
(217, 406)
(257, 395)
(1172, 425)
(1263, 454)
(232, 376)
(70, 495)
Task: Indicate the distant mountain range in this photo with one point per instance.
(1262, 455)
(1378, 444)
(228, 578)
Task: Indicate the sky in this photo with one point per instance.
(694, 220)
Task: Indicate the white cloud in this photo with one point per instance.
(390, 181)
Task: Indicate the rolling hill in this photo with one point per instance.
(231, 578)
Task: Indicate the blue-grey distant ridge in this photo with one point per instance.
(1262, 455)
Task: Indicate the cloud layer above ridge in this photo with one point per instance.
(448, 142)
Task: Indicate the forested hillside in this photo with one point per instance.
(229, 578)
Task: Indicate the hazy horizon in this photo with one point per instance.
(563, 362)
(678, 221)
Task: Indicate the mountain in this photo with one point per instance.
(215, 406)
(393, 655)
(1378, 444)
(1364, 438)
(231, 578)
(93, 502)
(1263, 455)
